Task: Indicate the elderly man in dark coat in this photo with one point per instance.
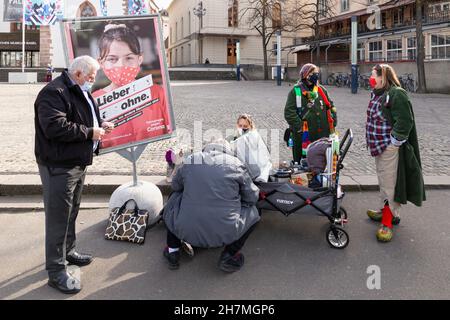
(213, 205)
(68, 132)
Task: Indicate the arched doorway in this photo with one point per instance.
(86, 9)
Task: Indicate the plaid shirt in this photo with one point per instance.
(378, 130)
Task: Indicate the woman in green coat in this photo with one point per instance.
(392, 140)
(310, 113)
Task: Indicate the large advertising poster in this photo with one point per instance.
(132, 87)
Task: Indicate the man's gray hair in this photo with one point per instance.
(85, 64)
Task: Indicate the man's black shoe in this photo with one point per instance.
(173, 258)
(64, 282)
(79, 259)
(229, 263)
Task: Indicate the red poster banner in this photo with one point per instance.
(132, 89)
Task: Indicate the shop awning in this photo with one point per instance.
(303, 47)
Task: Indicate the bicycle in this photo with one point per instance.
(343, 80)
(339, 80)
(363, 82)
(348, 80)
(408, 82)
(411, 83)
(331, 80)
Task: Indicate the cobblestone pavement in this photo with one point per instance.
(217, 104)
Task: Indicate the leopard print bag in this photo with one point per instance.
(127, 224)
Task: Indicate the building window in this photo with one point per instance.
(276, 16)
(297, 41)
(383, 20)
(322, 11)
(376, 51)
(232, 51)
(36, 59)
(189, 55)
(394, 50)
(440, 46)
(411, 48)
(176, 31)
(189, 24)
(182, 56)
(233, 13)
(439, 12)
(182, 28)
(398, 17)
(5, 59)
(361, 51)
(344, 5)
(86, 9)
(17, 26)
(11, 59)
(171, 35)
(439, 7)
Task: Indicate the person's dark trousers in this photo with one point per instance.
(62, 188)
(297, 148)
(233, 248)
(172, 240)
(237, 245)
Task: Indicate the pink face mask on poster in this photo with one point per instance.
(121, 75)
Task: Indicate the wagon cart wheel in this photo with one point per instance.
(337, 238)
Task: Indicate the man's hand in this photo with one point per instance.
(108, 126)
(98, 134)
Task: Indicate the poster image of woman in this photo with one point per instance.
(132, 87)
(120, 58)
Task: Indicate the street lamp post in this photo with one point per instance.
(199, 12)
(279, 57)
(238, 60)
(354, 54)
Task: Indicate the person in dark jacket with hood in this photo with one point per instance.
(213, 205)
(392, 140)
(68, 131)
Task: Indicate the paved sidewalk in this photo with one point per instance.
(217, 104)
(14, 187)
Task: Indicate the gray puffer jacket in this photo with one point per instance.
(214, 199)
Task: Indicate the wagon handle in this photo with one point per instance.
(345, 145)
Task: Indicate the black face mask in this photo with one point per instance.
(313, 79)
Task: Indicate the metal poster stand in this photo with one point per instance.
(133, 154)
(144, 193)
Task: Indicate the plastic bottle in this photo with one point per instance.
(291, 142)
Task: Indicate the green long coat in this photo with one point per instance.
(398, 111)
(316, 117)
